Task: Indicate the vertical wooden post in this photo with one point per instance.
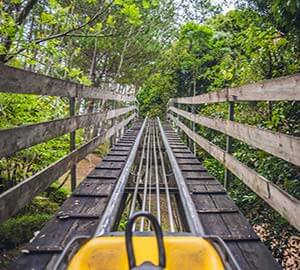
(228, 175)
(73, 143)
(187, 138)
(112, 138)
(190, 123)
(180, 132)
(193, 111)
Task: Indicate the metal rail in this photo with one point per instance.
(146, 181)
(109, 216)
(151, 200)
(156, 176)
(193, 221)
(165, 180)
(150, 189)
(151, 183)
(139, 174)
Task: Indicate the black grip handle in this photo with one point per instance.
(158, 234)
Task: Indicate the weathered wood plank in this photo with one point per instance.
(196, 175)
(281, 201)
(278, 144)
(83, 205)
(18, 138)
(58, 232)
(221, 216)
(238, 255)
(115, 158)
(110, 165)
(94, 188)
(283, 88)
(105, 174)
(184, 161)
(13, 80)
(257, 255)
(17, 197)
(185, 155)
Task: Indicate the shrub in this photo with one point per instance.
(16, 231)
(56, 194)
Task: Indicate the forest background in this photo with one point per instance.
(164, 49)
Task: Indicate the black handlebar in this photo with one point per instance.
(158, 234)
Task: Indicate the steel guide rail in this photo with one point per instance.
(188, 205)
(145, 173)
(156, 176)
(153, 186)
(146, 179)
(108, 218)
(165, 180)
(139, 174)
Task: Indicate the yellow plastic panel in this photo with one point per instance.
(109, 253)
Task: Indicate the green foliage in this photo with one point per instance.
(16, 110)
(285, 15)
(58, 194)
(20, 230)
(41, 205)
(123, 222)
(102, 150)
(229, 50)
(154, 96)
(140, 43)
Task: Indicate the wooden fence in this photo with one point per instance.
(15, 139)
(278, 144)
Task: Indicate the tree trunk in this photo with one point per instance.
(90, 131)
(19, 21)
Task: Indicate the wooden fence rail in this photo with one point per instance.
(17, 197)
(281, 201)
(14, 139)
(13, 80)
(284, 88)
(278, 144)
(18, 138)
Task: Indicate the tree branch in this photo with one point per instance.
(59, 35)
(20, 19)
(25, 12)
(86, 36)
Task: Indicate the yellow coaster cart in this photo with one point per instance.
(176, 251)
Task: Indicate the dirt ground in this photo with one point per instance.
(84, 167)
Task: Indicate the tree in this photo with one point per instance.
(284, 15)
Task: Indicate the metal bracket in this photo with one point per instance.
(218, 211)
(229, 238)
(86, 195)
(209, 192)
(42, 249)
(64, 216)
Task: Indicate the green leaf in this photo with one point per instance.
(92, 2)
(146, 4)
(118, 2)
(133, 13)
(110, 20)
(47, 18)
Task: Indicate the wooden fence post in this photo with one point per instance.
(228, 175)
(114, 137)
(73, 142)
(180, 132)
(193, 112)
